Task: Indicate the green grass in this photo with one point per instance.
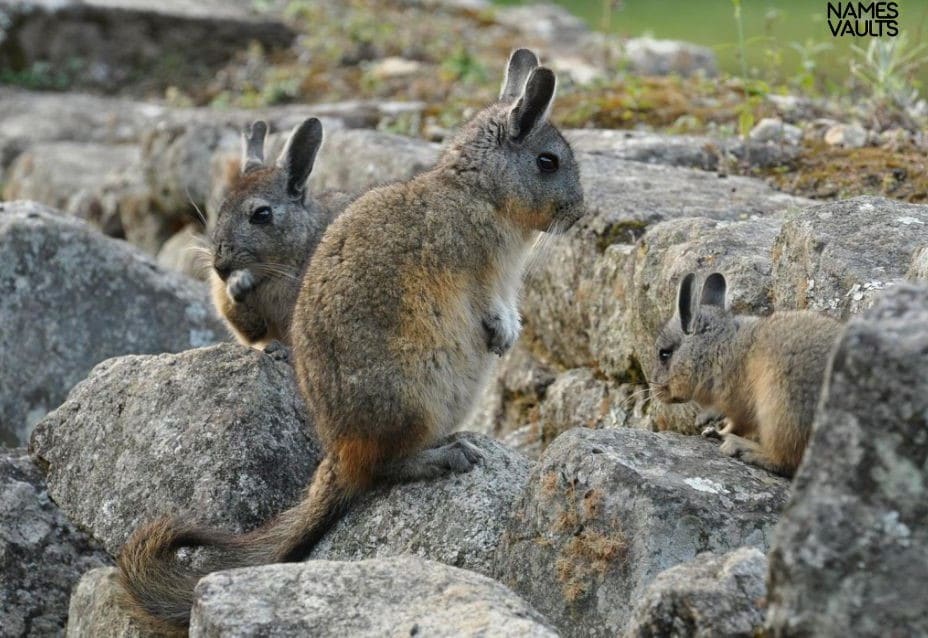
(780, 35)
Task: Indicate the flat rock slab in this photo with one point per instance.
(457, 520)
(712, 596)
(685, 151)
(837, 257)
(850, 556)
(70, 298)
(384, 597)
(606, 511)
(219, 434)
(42, 554)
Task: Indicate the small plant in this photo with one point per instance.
(886, 67)
(808, 65)
(463, 67)
(742, 51)
(44, 76)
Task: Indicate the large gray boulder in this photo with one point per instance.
(457, 520)
(740, 249)
(42, 554)
(74, 177)
(606, 511)
(850, 556)
(837, 257)
(397, 596)
(649, 56)
(70, 298)
(220, 434)
(357, 160)
(712, 596)
(109, 44)
(578, 275)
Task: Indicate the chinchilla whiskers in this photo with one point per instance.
(199, 213)
(275, 270)
(540, 247)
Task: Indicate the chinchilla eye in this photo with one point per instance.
(261, 215)
(547, 162)
(664, 354)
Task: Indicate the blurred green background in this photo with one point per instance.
(783, 39)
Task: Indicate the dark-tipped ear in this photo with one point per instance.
(299, 154)
(534, 104)
(521, 63)
(713, 290)
(253, 137)
(685, 302)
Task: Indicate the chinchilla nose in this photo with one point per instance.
(222, 261)
(223, 270)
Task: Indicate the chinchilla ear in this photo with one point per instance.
(253, 137)
(534, 104)
(685, 302)
(299, 154)
(713, 290)
(521, 63)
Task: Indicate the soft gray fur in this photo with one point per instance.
(258, 259)
(764, 374)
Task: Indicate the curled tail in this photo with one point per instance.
(158, 588)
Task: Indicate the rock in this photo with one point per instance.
(28, 118)
(740, 249)
(527, 406)
(918, 269)
(95, 608)
(512, 397)
(712, 596)
(579, 398)
(72, 177)
(185, 156)
(457, 520)
(850, 554)
(648, 56)
(606, 511)
(548, 22)
(771, 129)
(837, 257)
(394, 67)
(218, 433)
(70, 298)
(184, 252)
(42, 554)
(846, 135)
(526, 439)
(574, 285)
(576, 68)
(396, 596)
(594, 298)
(112, 44)
(685, 151)
(895, 139)
(357, 160)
